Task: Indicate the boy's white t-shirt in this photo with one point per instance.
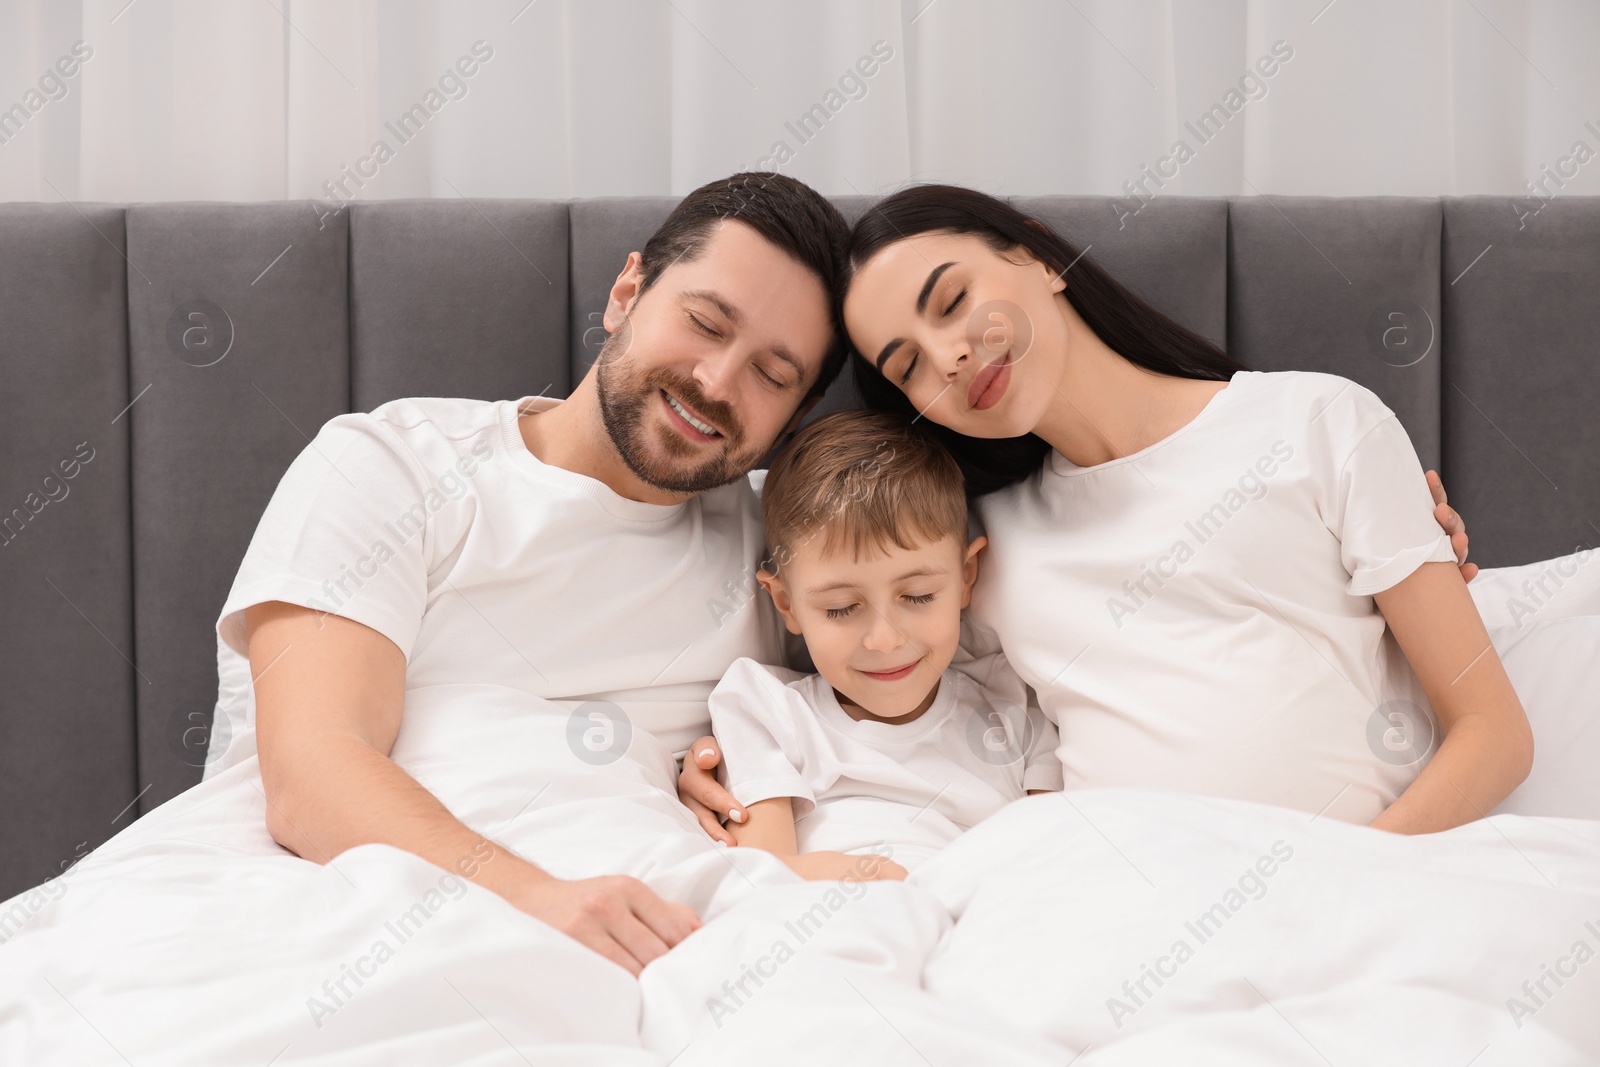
(429, 521)
(914, 786)
(1198, 616)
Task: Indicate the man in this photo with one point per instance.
(721, 338)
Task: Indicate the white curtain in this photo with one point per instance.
(268, 99)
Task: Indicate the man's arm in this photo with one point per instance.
(329, 696)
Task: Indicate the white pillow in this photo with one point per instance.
(1515, 597)
(1544, 620)
(233, 720)
(1554, 665)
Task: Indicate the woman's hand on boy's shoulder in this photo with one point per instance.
(1450, 519)
(702, 794)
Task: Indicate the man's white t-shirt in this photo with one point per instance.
(1198, 616)
(429, 521)
(914, 786)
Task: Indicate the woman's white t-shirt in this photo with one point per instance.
(857, 785)
(429, 521)
(1198, 616)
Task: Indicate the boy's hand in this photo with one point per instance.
(702, 794)
(839, 866)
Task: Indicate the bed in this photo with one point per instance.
(1096, 927)
(165, 356)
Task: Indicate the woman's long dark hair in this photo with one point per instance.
(1130, 327)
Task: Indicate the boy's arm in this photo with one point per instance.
(769, 826)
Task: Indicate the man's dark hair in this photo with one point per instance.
(788, 213)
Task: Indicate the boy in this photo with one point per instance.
(866, 525)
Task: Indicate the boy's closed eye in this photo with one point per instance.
(844, 610)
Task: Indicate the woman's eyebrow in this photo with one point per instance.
(927, 286)
(888, 350)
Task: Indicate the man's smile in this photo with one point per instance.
(693, 425)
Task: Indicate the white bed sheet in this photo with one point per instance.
(192, 938)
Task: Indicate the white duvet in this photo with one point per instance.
(1117, 927)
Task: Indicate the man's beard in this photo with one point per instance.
(626, 397)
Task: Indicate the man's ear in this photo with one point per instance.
(969, 568)
(780, 598)
(624, 292)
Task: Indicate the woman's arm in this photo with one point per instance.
(1487, 746)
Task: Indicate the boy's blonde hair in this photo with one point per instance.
(862, 479)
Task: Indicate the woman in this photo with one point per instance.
(1193, 565)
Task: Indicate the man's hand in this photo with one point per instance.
(702, 794)
(616, 916)
(1446, 516)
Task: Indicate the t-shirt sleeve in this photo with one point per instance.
(752, 717)
(974, 647)
(1376, 497)
(346, 533)
(1041, 766)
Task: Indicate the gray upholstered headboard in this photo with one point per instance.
(235, 330)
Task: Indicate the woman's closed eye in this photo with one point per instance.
(911, 364)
